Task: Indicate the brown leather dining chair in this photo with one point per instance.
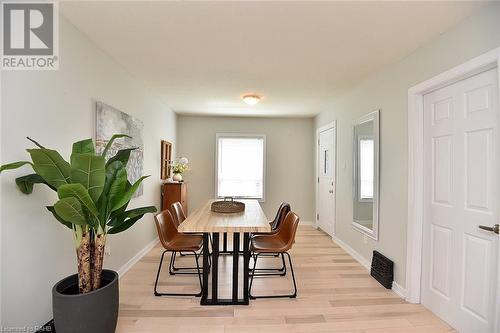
(178, 213)
(179, 216)
(283, 210)
(279, 242)
(173, 241)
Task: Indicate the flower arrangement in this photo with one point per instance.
(179, 166)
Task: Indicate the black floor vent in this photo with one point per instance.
(382, 269)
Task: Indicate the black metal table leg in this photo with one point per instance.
(215, 266)
(234, 300)
(246, 262)
(206, 269)
(225, 249)
(236, 259)
(224, 244)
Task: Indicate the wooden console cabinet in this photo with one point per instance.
(173, 192)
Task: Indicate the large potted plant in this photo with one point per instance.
(93, 197)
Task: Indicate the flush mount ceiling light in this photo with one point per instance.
(251, 99)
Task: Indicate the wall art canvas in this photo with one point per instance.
(111, 121)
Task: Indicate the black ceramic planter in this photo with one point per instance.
(96, 311)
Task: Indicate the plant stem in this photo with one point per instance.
(83, 256)
(98, 258)
(36, 143)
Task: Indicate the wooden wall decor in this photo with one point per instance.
(166, 157)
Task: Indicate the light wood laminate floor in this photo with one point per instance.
(336, 294)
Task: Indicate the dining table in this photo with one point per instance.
(204, 220)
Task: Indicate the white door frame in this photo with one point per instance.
(331, 125)
(474, 66)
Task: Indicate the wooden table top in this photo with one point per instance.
(204, 220)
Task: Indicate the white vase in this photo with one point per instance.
(177, 177)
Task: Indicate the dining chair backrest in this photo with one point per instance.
(178, 213)
(288, 229)
(165, 225)
(283, 210)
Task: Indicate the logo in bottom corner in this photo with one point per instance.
(30, 36)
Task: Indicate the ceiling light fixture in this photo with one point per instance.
(251, 99)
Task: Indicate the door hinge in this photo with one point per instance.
(317, 217)
(318, 179)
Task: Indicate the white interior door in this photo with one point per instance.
(326, 180)
(461, 186)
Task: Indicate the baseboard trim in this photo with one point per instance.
(400, 291)
(128, 265)
(307, 223)
(359, 258)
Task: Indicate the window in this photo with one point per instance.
(366, 169)
(240, 166)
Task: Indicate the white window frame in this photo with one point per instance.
(236, 136)
(358, 171)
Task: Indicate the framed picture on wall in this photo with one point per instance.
(111, 121)
(166, 157)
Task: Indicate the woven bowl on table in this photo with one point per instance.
(227, 206)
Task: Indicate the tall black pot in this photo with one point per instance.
(96, 311)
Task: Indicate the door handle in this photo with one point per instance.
(494, 229)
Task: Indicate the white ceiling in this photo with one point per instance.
(201, 56)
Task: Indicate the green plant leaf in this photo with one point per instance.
(102, 203)
(102, 207)
(79, 192)
(26, 183)
(88, 170)
(125, 198)
(110, 142)
(50, 165)
(116, 220)
(13, 165)
(139, 211)
(83, 147)
(125, 225)
(57, 217)
(111, 171)
(122, 155)
(116, 184)
(70, 209)
(117, 213)
(120, 218)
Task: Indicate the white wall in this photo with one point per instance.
(387, 90)
(289, 160)
(57, 108)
